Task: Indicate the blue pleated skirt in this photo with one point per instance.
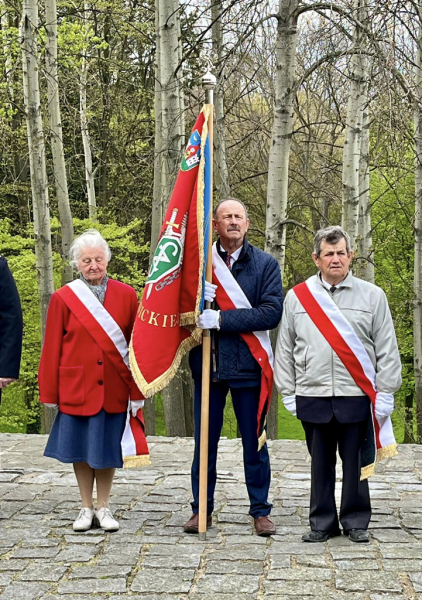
(94, 440)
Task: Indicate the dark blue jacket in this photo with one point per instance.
(10, 324)
(258, 274)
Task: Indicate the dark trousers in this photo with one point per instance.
(257, 464)
(322, 440)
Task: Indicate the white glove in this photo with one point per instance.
(384, 405)
(209, 291)
(135, 405)
(50, 405)
(290, 403)
(209, 319)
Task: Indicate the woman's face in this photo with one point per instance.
(92, 264)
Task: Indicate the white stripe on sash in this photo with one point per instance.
(343, 327)
(102, 316)
(238, 297)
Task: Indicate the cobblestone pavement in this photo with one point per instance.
(151, 558)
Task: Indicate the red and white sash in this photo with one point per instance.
(100, 325)
(110, 338)
(229, 295)
(345, 342)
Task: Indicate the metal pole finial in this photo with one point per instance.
(209, 81)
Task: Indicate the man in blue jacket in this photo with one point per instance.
(233, 367)
(10, 327)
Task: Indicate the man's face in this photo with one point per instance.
(231, 224)
(333, 261)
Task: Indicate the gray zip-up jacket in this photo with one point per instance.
(305, 363)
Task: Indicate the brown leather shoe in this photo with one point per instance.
(192, 525)
(264, 526)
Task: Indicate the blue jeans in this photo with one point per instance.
(257, 464)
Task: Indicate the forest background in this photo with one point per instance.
(318, 120)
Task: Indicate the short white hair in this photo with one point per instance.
(91, 238)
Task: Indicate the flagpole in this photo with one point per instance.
(208, 83)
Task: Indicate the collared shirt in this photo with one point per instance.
(233, 257)
(329, 286)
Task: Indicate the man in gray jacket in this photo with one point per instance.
(318, 388)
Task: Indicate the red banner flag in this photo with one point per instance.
(165, 328)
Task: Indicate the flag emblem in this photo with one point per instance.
(192, 155)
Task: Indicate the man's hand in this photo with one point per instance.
(135, 405)
(209, 291)
(290, 403)
(384, 405)
(5, 381)
(209, 319)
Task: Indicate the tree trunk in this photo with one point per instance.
(157, 207)
(365, 268)
(353, 132)
(86, 140)
(172, 136)
(57, 150)
(221, 177)
(278, 166)
(417, 307)
(39, 185)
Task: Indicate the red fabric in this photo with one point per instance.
(338, 344)
(158, 334)
(257, 351)
(73, 364)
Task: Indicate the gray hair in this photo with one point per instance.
(91, 238)
(220, 202)
(332, 235)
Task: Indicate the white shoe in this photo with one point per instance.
(105, 519)
(84, 520)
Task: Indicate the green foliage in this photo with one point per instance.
(20, 410)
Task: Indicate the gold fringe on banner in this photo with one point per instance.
(131, 462)
(382, 453)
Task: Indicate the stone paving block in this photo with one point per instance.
(392, 536)
(403, 565)
(240, 584)
(245, 567)
(297, 589)
(361, 581)
(358, 565)
(176, 561)
(6, 577)
(77, 553)
(13, 565)
(296, 548)
(401, 551)
(24, 591)
(234, 553)
(93, 586)
(416, 579)
(249, 538)
(42, 572)
(84, 539)
(300, 574)
(386, 597)
(39, 553)
(307, 560)
(163, 581)
(98, 572)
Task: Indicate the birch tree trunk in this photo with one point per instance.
(56, 134)
(365, 265)
(86, 140)
(39, 184)
(221, 178)
(353, 132)
(172, 137)
(278, 164)
(417, 307)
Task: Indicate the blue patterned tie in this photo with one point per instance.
(228, 262)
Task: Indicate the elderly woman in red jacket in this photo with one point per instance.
(84, 373)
